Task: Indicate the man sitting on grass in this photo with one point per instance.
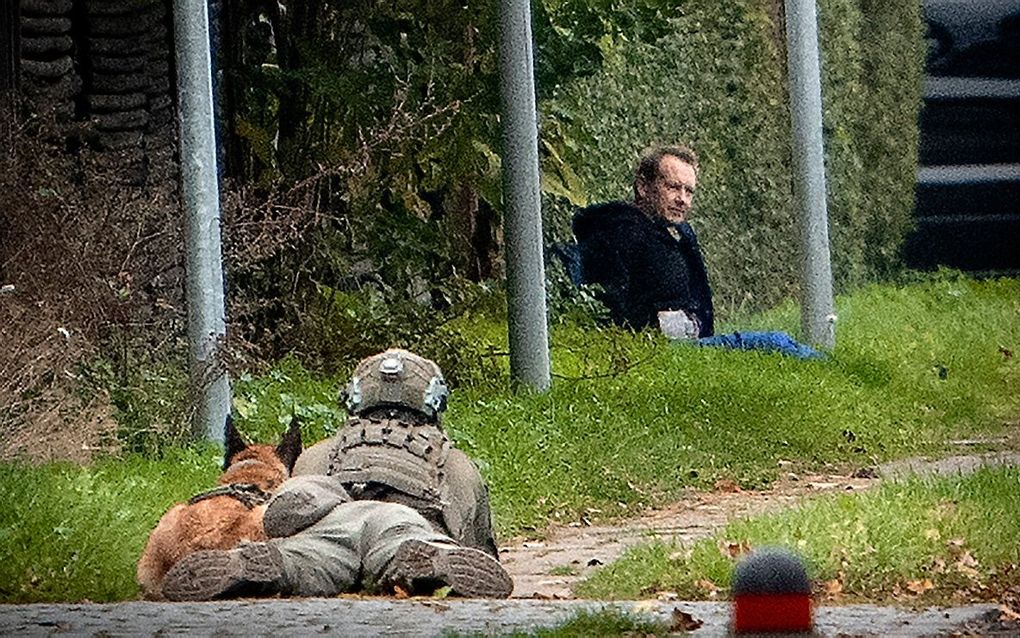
(647, 259)
(646, 255)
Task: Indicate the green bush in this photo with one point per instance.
(717, 82)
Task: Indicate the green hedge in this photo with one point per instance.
(718, 83)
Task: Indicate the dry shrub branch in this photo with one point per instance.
(91, 268)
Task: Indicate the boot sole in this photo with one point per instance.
(468, 572)
(209, 574)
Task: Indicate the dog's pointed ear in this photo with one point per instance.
(290, 445)
(235, 444)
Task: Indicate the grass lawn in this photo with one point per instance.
(631, 421)
(922, 542)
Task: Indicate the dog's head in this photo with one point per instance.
(262, 465)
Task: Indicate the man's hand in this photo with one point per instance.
(676, 324)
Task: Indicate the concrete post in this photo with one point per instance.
(817, 315)
(527, 321)
(200, 196)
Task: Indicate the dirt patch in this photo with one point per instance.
(569, 553)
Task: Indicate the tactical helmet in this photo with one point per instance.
(396, 378)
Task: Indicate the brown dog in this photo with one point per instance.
(223, 517)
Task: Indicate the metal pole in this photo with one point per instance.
(528, 331)
(817, 316)
(200, 195)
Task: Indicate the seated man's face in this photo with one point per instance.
(671, 193)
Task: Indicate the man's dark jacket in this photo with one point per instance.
(645, 265)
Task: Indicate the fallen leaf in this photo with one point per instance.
(727, 485)
(969, 572)
(932, 534)
(682, 621)
(400, 593)
(967, 565)
(967, 559)
(667, 596)
(833, 587)
(920, 586)
(442, 592)
(956, 543)
(734, 550)
(707, 585)
(1006, 614)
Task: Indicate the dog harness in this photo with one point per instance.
(248, 494)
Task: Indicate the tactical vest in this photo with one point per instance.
(376, 456)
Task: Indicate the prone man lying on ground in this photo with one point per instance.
(386, 504)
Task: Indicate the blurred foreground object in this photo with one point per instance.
(771, 593)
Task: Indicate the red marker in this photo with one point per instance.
(771, 593)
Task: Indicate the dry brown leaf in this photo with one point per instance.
(967, 559)
(730, 549)
(956, 543)
(707, 585)
(727, 485)
(969, 572)
(833, 587)
(967, 565)
(400, 593)
(938, 566)
(1007, 614)
(920, 586)
(682, 621)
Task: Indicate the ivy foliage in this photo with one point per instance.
(716, 81)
